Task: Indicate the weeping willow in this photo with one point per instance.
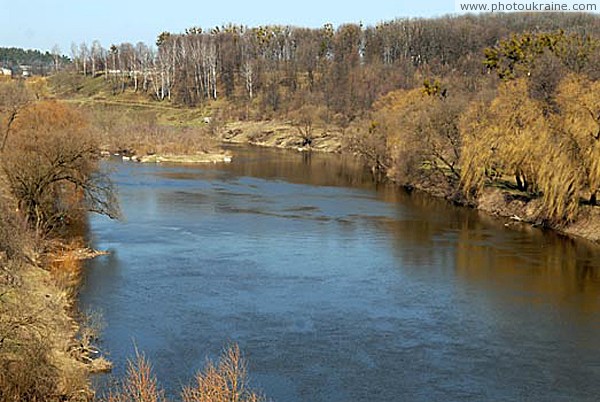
(579, 102)
(555, 158)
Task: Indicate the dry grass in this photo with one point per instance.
(282, 134)
(140, 132)
(27, 374)
(67, 275)
(36, 333)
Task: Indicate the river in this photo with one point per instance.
(339, 290)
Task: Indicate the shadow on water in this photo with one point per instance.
(337, 289)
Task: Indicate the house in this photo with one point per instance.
(25, 70)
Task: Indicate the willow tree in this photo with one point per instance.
(502, 136)
(579, 102)
(512, 135)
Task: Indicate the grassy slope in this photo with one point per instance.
(94, 93)
(98, 92)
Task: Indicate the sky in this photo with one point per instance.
(43, 24)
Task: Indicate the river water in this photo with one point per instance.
(337, 290)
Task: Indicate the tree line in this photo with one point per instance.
(276, 68)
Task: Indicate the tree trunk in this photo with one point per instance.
(519, 181)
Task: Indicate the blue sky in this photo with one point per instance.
(41, 24)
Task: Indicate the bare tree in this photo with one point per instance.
(51, 167)
(95, 56)
(84, 54)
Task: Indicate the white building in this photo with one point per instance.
(26, 70)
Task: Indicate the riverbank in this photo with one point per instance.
(520, 209)
(46, 350)
(281, 134)
(512, 207)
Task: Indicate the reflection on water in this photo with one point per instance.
(544, 264)
(337, 290)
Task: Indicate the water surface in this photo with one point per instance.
(337, 290)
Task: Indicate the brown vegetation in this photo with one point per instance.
(36, 337)
(14, 97)
(129, 131)
(448, 105)
(533, 133)
(552, 156)
(139, 383)
(48, 179)
(423, 143)
(49, 162)
(225, 381)
(497, 110)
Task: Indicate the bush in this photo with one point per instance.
(225, 381)
(139, 384)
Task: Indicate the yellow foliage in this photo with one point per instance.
(579, 102)
(556, 154)
(501, 135)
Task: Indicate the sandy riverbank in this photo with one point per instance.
(217, 157)
(280, 134)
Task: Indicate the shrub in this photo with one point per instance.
(139, 384)
(227, 381)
